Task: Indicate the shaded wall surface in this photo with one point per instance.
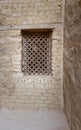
(19, 91)
(72, 63)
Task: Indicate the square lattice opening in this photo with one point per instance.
(36, 52)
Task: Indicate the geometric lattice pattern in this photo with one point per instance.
(36, 52)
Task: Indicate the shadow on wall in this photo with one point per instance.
(6, 81)
(6, 84)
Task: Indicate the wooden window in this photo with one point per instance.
(36, 52)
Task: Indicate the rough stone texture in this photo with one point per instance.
(29, 92)
(72, 63)
(5, 65)
(22, 12)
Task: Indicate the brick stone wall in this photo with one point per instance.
(72, 63)
(18, 91)
(20, 12)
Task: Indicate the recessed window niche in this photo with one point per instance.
(36, 52)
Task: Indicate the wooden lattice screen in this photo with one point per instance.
(36, 52)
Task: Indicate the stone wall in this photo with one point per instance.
(18, 91)
(72, 63)
(22, 12)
